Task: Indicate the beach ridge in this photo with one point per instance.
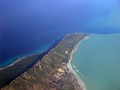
(82, 85)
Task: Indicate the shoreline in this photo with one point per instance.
(81, 83)
(75, 81)
(22, 57)
(19, 59)
(75, 48)
(16, 61)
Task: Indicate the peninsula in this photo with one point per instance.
(52, 71)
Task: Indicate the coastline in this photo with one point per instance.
(16, 61)
(68, 43)
(23, 57)
(19, 59)
(81, 83)
(75, 48)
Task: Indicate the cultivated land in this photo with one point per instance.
(51, 72)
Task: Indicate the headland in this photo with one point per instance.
(52, 72)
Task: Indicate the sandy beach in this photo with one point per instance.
(80, 82)
(75, 48)
(82, 85)
(16, 61)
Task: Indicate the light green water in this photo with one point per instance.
(97, 62)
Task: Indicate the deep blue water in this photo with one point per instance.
(28, 26)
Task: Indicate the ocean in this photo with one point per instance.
(97, 62)
(29, 27)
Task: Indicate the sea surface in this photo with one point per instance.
(29, 27)
(97, 62)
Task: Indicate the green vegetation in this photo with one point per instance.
(38, 77)
(11, 72)
(67, 86)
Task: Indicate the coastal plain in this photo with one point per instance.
(52, 71)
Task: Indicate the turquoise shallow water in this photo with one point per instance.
(97, 62)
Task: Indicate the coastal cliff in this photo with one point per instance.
(51, 72)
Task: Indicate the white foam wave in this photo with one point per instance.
(77, 70)
(83, 84)
(74, 66)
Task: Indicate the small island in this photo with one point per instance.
(52, 71)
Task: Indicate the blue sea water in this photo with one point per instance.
(97, 62)
(28, 27)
